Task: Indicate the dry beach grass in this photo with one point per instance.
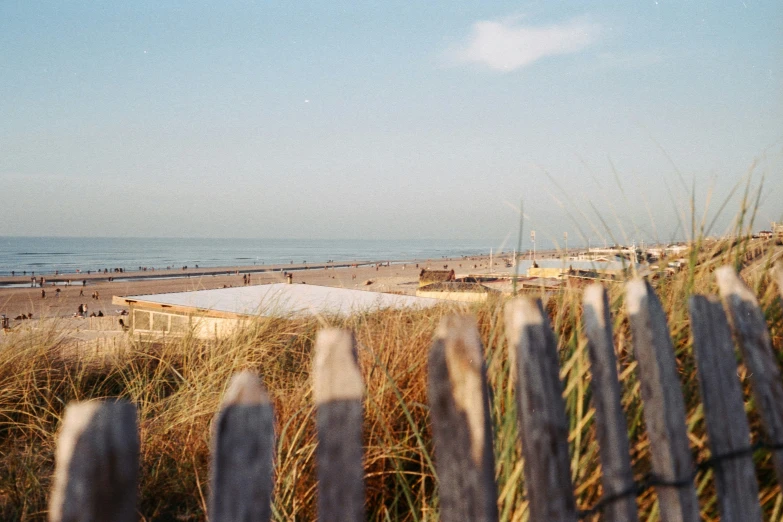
(177, 386)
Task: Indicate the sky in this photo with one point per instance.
(389, 120)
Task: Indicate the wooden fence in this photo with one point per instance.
(98, 447)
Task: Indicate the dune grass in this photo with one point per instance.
(177, 386)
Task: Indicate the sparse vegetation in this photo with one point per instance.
(177, 386)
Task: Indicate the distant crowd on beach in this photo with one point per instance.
(118, 270)
(42, 282)
(78, 271)
(95, 295)
(82, 312)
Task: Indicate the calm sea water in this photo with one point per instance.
(44, 255)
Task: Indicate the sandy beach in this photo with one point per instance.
(18, 298)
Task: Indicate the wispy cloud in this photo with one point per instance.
(506, 45)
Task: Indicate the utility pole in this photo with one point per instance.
(533, 239)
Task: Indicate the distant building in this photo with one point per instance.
(677, 250)
(428, 277)
(586, 269)
(777, 230)
(593, 255)
(457, 291)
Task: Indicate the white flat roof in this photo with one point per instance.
(282, 299)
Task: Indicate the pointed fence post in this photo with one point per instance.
(243, 453)
(610, 422)
(664, 408)
(724, 410)
(96, 463)
(542, 418)
(756, 346)
(338, 390)
(461, 424)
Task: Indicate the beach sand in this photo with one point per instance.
(400, 277)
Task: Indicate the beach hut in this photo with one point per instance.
(428, 277)
(457, 291)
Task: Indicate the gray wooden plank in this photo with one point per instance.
(755, 344)
(611, 425)
(724, 410)
(664, 408)
(542, 419)
(243, 452)
(338, 390)
(461, 423)
(96, 463)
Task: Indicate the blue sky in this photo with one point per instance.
(395, 120)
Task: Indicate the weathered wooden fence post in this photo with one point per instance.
(756, 346)
(724, 410)
(610, 423)
(243, 453)
(96, 463)
(664, 408)
(338, 390)
(542, 417)
(461, 424)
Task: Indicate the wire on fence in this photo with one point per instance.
(651, 480)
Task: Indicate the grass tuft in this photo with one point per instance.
(177, 386)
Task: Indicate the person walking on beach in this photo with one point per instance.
(43, 293)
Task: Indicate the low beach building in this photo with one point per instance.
(777, 231)
(457, 291)
(556, 268)
(220, 312)
(429, 277)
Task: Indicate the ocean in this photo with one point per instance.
(45, 255)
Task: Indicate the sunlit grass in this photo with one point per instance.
(177, 386)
